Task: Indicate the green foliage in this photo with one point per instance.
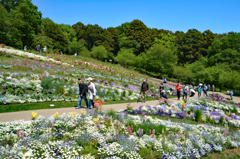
(146, 126)
(182, 74)
(140, 32)
(198, 116)
(112, 113)
(69, 31)
(60, 38)
(221, 121)
(47, 83)
(99, 53)
(85, 52)
(126, 57)
(159, 58)
(147, 153)
(76, 47)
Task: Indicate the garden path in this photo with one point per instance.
(26, 115)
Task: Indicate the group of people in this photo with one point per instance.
(83, 90)
(187, 89)
(39, 49)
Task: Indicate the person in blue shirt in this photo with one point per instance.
(231, 95)
(199, 90)
(165, 80)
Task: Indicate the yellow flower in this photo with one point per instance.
(83, 112)
(56, 115)
(162, 131)
(164, 137)
(95, 120)
(182, 103)
(72, 114)
(110, 119)
(34, 115)
(76, 83)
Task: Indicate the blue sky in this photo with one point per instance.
(219, 16)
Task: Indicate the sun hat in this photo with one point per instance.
(89, 79)
(200, 84)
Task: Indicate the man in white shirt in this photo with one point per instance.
(92, 92)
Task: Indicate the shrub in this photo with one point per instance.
(59, 89)
(198, 116)
(221, 121)
(47, 83)
(99, 52)
(124, 93)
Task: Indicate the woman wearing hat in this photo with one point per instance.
(92, 92)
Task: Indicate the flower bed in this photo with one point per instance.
(198, 110)
(118, 136)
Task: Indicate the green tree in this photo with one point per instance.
(160, 59)
(60, 38)
(69, 31)
(43, 40)
(99, 53)
(193, 45)
(10, 23)
(182, 74)
(125, 43)
(79, 29)
(115, 35)
(93, 35)
(126, 57)
(76, 47)
(141, 33)
(167, 40)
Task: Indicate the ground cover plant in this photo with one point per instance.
(111, 135)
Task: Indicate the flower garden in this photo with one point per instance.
(189, 129)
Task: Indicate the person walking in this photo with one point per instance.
(45, 49)
(144, 90)
(231, 95)
(199, 90)
(185, 90)
(92, 92)
(82, 93)
(25, 48)
(213, 88)
(38, 49)
(178, 87)
(161, 88)
(205, 89)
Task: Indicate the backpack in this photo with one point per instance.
(86, 88)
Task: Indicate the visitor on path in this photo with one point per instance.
(144, 89)
(185, 90)
(82, 93)
(45, 49)
(75, 54)
(192, 91)
(205, 89)
(231, 95)
(161, 88)
(25, 48)
(199, 90)
(178, 87)
(92, 92)
(213, 88)
(165, 80)
(38, 49)
(165, 92)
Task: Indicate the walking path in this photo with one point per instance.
(26, 115)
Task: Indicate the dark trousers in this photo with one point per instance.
(192, 94)
(80, 101)
(178, 94)
(184, 94)
(164, 96)
(90, 103)
(205, 92)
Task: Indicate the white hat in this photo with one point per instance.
(89, 79)
(200, 84)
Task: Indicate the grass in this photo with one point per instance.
(228, 153)
(46, 105)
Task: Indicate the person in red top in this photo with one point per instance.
(178, 87)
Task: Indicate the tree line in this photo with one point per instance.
(191, 57)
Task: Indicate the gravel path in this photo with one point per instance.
(26, 115)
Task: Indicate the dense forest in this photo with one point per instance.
(190, 57)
